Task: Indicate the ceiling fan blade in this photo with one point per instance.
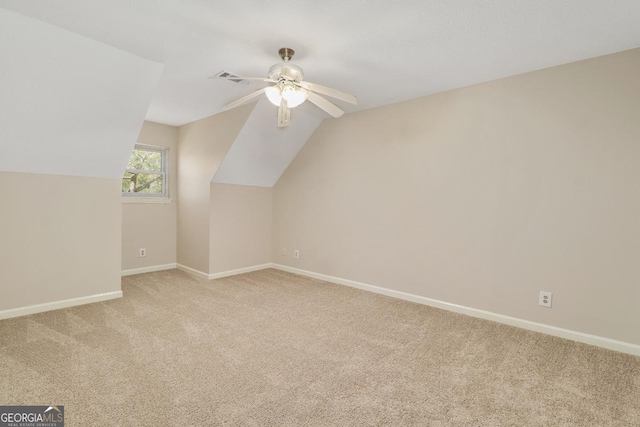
(327, 106)
(243, 100)
(262, 79)
(334, 93)
(284, 114)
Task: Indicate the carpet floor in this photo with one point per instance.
(274, 349)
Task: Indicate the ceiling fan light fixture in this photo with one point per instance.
(294, 95)
(273, 94)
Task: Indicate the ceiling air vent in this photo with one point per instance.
(224, 73)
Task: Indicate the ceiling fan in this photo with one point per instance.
(288, 90)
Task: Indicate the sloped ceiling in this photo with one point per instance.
(69, 105)
(262, 151)
(381, 51)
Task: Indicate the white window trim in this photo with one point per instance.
(151, 198)
(154, 199)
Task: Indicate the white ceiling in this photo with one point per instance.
(262, 151)
(69, 105)
(61, 89)
(381, 51)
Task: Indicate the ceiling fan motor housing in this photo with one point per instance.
(286, 71)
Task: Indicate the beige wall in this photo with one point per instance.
(59, 238)
(484, 196)
(240, 226)
(152, 225)
(202, 145)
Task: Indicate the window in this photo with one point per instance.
(146, 174)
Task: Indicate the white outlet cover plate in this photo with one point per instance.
(548, 296)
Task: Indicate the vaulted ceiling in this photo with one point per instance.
(381, 51)
(69, 105)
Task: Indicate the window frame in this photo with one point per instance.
(163, 197)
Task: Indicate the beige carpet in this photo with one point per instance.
(274, 349)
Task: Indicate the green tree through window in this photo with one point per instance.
(146, 173)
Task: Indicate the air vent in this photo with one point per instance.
(224, 73)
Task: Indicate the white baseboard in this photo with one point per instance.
(607, 343)
(222, 274)
(239, 271)
(148, 269)
(193, 271)
(56, 305)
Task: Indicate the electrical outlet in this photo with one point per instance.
(142, 252)
(545, 299)
(296, 253)
(284, 252)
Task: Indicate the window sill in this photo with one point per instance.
(133, 199)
